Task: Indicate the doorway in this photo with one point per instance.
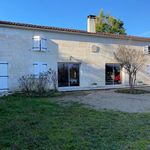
(113, 74)
(68, 74)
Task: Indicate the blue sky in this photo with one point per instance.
(73, 13)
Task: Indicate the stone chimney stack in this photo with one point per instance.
(91, 23)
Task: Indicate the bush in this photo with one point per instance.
(38, 85)
(41, 84)
(129, 91)
(27, 83)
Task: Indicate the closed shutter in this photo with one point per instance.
(3, 76)
(36, 69)
(43, 67)
(39, 67)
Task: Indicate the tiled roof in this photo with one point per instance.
(73, 31)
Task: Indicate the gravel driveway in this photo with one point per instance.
(108, 99)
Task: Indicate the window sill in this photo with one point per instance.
(39, 50)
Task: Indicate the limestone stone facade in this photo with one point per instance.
(92, 52)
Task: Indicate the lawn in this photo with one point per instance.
(42, 124)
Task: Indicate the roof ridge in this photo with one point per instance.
(35, 25)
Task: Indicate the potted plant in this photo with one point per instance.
(139, 82)
(94, 84)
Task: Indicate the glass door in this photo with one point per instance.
(113, 74)
(74, 74)
(63, 78)
(117, 74)
(68, 74)
(109, 74)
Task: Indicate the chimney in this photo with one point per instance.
(91, 23)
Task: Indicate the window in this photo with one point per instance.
(113, 74)
(147, 49)
(39, 67)
(68, 74)
(39, 44)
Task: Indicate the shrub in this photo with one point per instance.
(27, 83)
(38, 85)
(41, 84)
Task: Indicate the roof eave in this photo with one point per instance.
(77, 32)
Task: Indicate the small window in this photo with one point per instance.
(39, 67)
(39, 44)
(147, 49)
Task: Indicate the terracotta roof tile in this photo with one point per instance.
(39, 27)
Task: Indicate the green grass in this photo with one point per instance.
(42, 124)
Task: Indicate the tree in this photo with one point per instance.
(109, 24)
(132, 60)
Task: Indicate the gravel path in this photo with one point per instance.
(113, 101)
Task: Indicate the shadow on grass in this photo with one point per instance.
(134, 91)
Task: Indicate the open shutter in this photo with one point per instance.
(36, 43)
(146, 50)
(148, 70)
(43, 44)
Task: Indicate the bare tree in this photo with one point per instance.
(132, 60)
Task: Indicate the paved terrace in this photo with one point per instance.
(109, 99)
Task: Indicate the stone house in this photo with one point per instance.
(83, 60)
